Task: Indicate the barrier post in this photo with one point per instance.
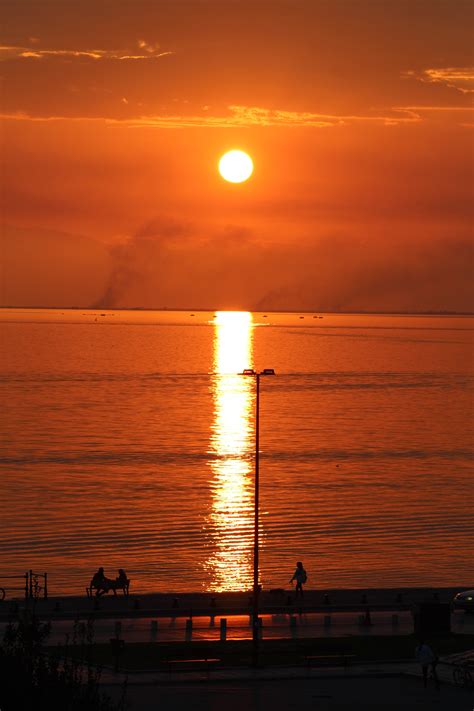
(223, 631)
(189, 630)
(293, 626)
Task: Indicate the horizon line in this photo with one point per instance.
(270, 311)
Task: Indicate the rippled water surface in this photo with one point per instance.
(129, 441)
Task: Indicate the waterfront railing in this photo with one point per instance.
(32, 585)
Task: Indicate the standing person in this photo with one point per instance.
(427, 658)
(300, 577)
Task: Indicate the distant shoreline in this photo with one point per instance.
(169, 309)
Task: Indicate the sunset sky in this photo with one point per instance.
(356, 113)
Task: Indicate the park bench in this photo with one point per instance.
(329, 660)
(113, 585)
(206, 663)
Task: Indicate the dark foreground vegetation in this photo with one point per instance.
(64, 679)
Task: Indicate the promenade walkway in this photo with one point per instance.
(166, 617)
(195, 604)
(387, 687)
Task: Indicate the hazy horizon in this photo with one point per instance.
(213, 310)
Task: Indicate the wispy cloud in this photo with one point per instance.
(24, 116)
(250, 116)
(459, 78)
(254, 116)
(237, 117)
(144, 50)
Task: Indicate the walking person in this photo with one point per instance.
(427, 658)
(301, 577)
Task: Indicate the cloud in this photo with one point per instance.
(251, 116)
(255, 116)
(24, 116)
(149, 47)
(459, 78)
(149, 51)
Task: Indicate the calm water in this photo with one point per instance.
(129, 442)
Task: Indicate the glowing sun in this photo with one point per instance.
(235, 166)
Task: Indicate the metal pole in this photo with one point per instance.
(256, 589)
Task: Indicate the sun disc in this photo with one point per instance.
(236, 166)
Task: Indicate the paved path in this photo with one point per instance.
(372, 669)
(355, 693)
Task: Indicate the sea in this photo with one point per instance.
(129, 441)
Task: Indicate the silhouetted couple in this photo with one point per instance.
(102, 584)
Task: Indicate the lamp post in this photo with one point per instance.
(256, 588)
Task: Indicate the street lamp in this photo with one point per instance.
(256, 589)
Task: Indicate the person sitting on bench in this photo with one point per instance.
(103, 585)
(121, 582)
(100, 583)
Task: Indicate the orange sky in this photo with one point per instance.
(357, 114)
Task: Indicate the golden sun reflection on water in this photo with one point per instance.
(230, 521)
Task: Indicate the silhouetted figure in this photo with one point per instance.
(122, 578)
(121, 582)
(427, 658)
(102, 585)
(99, 582)
(300, 577)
